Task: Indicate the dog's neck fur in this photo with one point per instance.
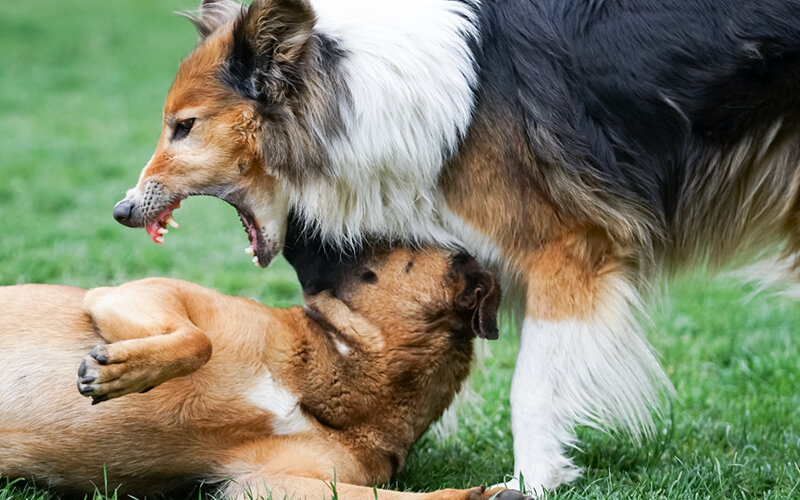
(404, 114)
(378, 379)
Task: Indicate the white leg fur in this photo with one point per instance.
(599, 371)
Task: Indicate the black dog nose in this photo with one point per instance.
(123, 211)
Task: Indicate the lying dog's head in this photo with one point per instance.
(230, 119)
(403, 288)
(410, 316)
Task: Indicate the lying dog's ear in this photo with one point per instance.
(270, 42)
(212, 14)
(481, 297)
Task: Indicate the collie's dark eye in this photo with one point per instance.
(369, 277)
(182, 129)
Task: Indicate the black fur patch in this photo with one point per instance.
(319, 265)
(620, 96)
(369, 277)
(238, 71)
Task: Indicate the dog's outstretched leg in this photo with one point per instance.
(150, 339)
(266, 486)
(582, 360)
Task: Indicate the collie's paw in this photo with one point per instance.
(108, 372)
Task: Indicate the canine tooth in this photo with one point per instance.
(163, 230)
(172, 222)
(255, 260)
(249, 251)
(159, 239)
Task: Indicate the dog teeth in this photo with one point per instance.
(255, 261)
(159, 239)
(163, 230)
(172, 222)
(249, 251)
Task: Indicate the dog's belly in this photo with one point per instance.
(43, 335)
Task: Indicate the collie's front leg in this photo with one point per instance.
(582, 360)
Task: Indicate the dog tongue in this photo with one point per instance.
(152, 230)
(157, 227)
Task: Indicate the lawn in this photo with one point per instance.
(81, 88)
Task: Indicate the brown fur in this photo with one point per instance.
(408, 348)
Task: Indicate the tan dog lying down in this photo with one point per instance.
(251, 397)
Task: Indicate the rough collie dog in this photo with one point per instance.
(255, 400)
(581, 148)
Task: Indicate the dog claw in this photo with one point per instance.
(99, 399)
(101, 357)
(87, 380)
(82, 369)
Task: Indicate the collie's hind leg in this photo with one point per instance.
(582, 360)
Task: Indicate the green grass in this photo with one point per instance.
(81, 88)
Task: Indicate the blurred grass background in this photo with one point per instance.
(81, 88)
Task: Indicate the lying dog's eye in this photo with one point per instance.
(182, 129)
(369, 277)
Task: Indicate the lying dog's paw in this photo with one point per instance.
(480, 493)
(109, 372)
(497, 493)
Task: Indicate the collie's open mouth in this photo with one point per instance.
(157, 229)
(257, 248)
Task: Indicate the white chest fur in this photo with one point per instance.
(410, 74)
(270, 395)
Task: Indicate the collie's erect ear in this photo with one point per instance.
(280, 28)
(270, 41)
(212, 14)
(481, 297)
